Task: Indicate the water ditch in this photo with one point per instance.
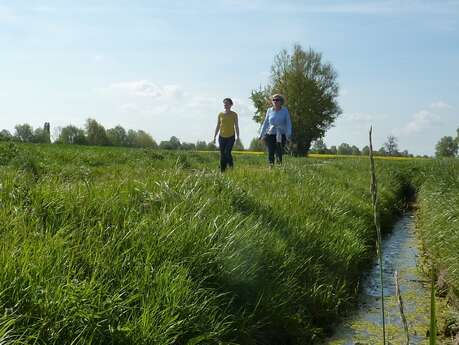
(401, 253)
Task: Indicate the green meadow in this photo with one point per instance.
(438, 222)
(129, 246)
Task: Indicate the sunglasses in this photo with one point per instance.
(276, 100)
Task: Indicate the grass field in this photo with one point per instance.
(130, 246)
(438, 221)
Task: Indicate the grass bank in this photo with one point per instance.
(125, 246)
(438, 224)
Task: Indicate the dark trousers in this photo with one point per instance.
(226, 145)
(274, 148)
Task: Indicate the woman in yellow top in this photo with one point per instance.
(228, 126)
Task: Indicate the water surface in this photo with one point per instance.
(400, 252)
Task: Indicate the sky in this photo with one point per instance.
(164, 66)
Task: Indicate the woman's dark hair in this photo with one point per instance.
(229, 100)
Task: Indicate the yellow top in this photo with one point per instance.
(227, 123)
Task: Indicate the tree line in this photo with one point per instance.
(389, 148)
(95, 134)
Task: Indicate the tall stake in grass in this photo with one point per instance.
(433, 317)
(374, 191)
(400, 305)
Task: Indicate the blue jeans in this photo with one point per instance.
(275, 148)
(226, 145)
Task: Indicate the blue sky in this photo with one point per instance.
(165, 66)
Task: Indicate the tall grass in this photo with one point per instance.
(374, 201)
(401, 308)
(125, 246)
(438, 223)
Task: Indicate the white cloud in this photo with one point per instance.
(440, 105)
(166, 110)
(129, 108)
(420, 122)
(361, 120)
(145, 88)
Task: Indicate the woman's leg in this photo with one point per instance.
(270, 141)
(222, 146)
(280, 149)
(229, 147)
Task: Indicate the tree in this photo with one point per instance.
(391, 146)
(405, 153)
(344, 149)
(211, 147)
(117, 136)
(319, 147)
(201, 146)
(24, 133)
(72, 135)
(381, 152)
(256, 145)
(5, 135)
(365, 150)
(355, 150)
(95, 133)
(446, 147)
(40, 135)
(131, 137)
(143, 139)
(188, 146)
(333, 150)
(311, 89)
(172, 144)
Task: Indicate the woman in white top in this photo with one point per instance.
(276, 128)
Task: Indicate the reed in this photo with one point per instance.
(400, 305)
(374, 195)
(433, 316)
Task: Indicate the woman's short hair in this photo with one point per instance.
(229, 100)
(277, 95)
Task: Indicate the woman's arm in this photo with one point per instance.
(264, 126)
(236, 127)
(217, 128)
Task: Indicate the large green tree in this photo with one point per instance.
(5, 135)
(446, 147)
(117, 136)
(23, 133)
(95, 133)
(319, 147)
(391, 146)
(344, 149)
(72, 135)
(311, 91)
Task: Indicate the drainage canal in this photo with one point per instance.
(401, 253)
